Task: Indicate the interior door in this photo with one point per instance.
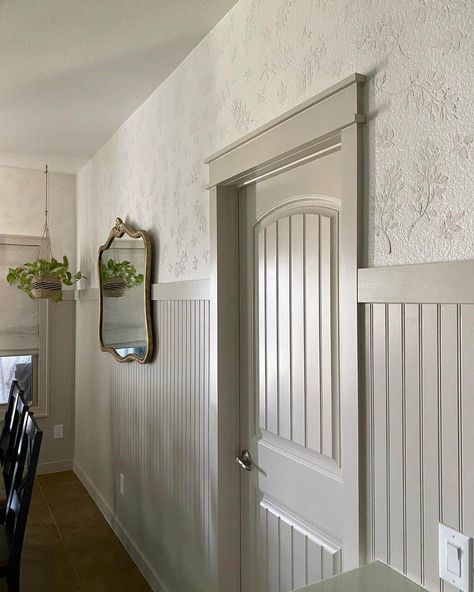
(298, 502)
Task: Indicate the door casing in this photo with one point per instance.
(281, 143)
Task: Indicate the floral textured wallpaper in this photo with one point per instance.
(267, 56)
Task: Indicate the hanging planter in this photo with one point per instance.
(47, 286)
(117, 277)
(114, 287)
(45, 277)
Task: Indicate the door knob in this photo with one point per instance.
(244, 460)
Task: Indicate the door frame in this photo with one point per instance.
(283, 142)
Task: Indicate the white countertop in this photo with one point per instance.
(375, 577)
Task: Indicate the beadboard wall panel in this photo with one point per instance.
(156, 433)
(419, 412)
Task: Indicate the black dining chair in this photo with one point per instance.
(7, 420)
(12, 532)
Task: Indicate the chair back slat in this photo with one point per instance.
(19, 414)
(8, 419)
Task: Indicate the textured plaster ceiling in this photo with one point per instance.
(71, 71)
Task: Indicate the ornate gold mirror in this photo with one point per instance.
(125, 325)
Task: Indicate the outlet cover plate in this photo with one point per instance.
(455, 558)
(58, 431)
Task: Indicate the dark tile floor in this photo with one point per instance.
(69, 546)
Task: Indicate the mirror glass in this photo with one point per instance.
(124, 261)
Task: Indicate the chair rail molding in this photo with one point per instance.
(185, 290)
(442, 283)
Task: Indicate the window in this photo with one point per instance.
(23, 329)
(24, 369)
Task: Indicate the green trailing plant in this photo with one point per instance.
(122, 269)
(25, 274)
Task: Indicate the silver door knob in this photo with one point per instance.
(244, 460)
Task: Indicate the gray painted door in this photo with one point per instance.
(297, 526)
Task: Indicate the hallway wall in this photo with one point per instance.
(263, 58)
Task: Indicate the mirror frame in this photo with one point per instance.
(119, 230)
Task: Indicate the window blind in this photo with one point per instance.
(19, 315)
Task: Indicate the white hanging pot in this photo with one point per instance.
(47, 286)
(114, 287)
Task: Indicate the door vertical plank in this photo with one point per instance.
(412, 449)
(297, 331)
(396, 435)
(284, 350)
(272, 328)
(273, 549)
(467, 390)
(326, 295)
(262, 330)
(315, 560)
(286, 558)
(328, 564)
(312, 349)
(262, 546)
(299, 559)
(381, 449)
(430, 474)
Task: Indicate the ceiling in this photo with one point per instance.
(72, 71)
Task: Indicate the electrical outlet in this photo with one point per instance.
(58, 431)
(122, 484)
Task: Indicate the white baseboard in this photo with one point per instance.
(54, 467)
(140, 560)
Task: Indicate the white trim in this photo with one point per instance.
(23, 240)
(335, 88)
(185, 290)
(224, 389)
(87, 295)
(314, 152)
(56, 466)
(426, 283)
(300, 129)
(41, 409)
(130, 545)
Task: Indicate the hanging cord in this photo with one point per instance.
(45, 246)
(46, 228)
(116, 254)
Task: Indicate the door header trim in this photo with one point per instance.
(295, 130)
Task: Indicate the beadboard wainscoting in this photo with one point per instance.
(419, 412)
(150, 423)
